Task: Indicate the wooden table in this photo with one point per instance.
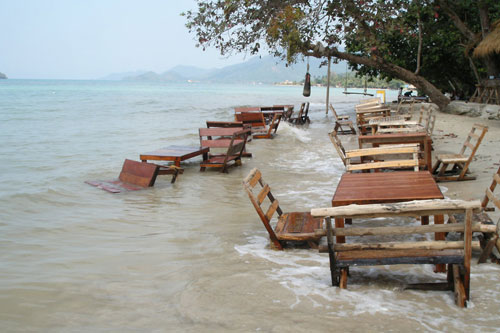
(174, 153)
(421, 138)
(387, 187)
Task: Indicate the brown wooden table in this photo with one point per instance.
(174, 153)
(421, 138)
(387, 187)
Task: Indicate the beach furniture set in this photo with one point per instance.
(222, 146)
(377, 184)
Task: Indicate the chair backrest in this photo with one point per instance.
(237, 144)
(221, 137)
(249, 183)
(305, 116)
(211, 123)
(427, 118)
(139, 173)
(475, 135)
(490, 192)
(338, 145)
(374, 100)
(334, 112)
(254, 118)
(389, 152)
(275, 122)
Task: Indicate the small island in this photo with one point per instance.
(2, 76)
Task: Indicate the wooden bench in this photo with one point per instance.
(490, 232)
(457, 254)
(382, 158)
(135, 176)
(232, 140)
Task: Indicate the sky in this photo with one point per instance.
(89, 39)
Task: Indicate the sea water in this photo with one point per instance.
(189, 256)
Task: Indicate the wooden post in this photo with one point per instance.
(328, 86)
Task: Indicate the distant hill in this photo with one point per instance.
(3, 76)
(121, 76)
(264, 70)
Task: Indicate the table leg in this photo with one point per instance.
(177, 162)
(439, 219)
(339, 223)
(428, 154)
(424, 220)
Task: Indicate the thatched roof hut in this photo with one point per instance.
(491, 43)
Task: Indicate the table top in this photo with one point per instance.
(385, 187)
(176, 151)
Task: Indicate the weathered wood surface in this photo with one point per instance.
(410, 208)
(174, 153)
(388, 153)
(385, 187)
(133, 176)
(439, 252)
(421, 138)
(423, 229)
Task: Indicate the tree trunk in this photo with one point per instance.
(401, 73)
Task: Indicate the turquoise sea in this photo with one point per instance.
(189, 256)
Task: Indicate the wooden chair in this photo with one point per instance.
(457, 254)
(342, 121)
(459, 162)
(287, 111)
(217, 138)
(135, 176)
(232, 124)
(302, 117)
(427, 119)
(388, 152)
(290, 227)
(271, 128)
(340, 148)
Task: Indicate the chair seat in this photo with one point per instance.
(218, 159)
(452, 158)
(297, 226)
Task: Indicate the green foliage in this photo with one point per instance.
(351, 80)
(381, 37)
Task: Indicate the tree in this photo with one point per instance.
(374, 32)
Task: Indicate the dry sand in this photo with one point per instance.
(450, 132)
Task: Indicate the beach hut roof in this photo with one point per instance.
(491, 43)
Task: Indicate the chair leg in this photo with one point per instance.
(343, 278)
(435, 167)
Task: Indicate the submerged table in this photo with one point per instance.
(421, 138)
(174, 153)
(387, 187)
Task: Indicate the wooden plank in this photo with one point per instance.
(384, 164)
(411, 208)
(272, 209)
(253, 177)
(408, 246)
(263, 193)
(423, 229)
(460, 297)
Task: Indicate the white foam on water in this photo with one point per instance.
(375, 290)
(300, 134)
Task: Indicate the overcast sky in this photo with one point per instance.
(88, 39)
